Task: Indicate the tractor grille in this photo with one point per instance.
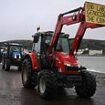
(69, 68)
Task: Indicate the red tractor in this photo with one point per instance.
(52, 64)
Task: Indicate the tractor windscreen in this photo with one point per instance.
(16, 48)
(63, 45)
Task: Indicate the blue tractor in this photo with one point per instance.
(12, 56)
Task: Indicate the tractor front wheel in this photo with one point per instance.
(87, 87)
(47, 84)
(6, 65)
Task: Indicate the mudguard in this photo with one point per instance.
(34, 61)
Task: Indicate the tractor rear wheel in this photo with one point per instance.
(29, 77)
(47, 84)
(88, 86)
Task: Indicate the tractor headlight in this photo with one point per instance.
(66, 64)
(17, 56)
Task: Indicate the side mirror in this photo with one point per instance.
(35, 38)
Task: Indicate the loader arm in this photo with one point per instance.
(69, 18)
(65, 19)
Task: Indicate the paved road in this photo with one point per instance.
(13, 93)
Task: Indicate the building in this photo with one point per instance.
(95, 52)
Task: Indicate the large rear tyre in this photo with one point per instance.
(88, 86)
(47, 84)
(29, 77)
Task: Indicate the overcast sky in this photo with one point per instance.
(20, 18)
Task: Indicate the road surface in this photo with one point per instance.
(13, 93)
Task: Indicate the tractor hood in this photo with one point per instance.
(65, 63)
(66, 59)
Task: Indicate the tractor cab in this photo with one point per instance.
(41, 40)
(41, 43)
